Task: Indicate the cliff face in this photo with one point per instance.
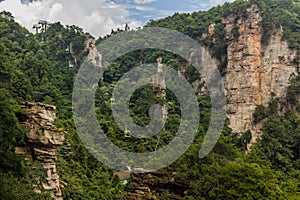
(254, 72)
(154, 185)
(42, 140)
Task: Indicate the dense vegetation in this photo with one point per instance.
(35, 71)
(44, 72)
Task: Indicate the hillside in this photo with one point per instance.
(255, 44)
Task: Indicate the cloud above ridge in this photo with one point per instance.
(97, 17)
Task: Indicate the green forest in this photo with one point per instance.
(44, 71)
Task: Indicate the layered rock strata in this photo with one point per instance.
(154, 185)
(255, 73)
(42, 140)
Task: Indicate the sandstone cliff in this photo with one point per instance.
(42, 139)
(158, 185)
(255, 73)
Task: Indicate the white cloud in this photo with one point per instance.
(219, 2)
(143, 1)
(141, 8)
(95, 16)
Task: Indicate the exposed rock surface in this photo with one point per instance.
(211, 30)
(42, 139)
(254, 73)
(278, 66)
(153, 185)
(94, 56)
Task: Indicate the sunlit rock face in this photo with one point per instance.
(255, 73)
(42, 140)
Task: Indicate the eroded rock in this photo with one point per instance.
(254, 73)
(152, 184)
(42, 140)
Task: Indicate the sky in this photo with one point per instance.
(99, 17)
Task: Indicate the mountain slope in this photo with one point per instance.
(251, 31)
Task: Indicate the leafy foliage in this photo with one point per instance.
(36, 71)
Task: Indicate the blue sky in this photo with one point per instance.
(98, 17)
(145, 10)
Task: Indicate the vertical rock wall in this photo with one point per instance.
(254, 73)
(278, 66)
(42, 140)
(242, 80)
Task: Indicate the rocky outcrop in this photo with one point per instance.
(254, 73)
(94, 56)
(278, 67)
(42, 139)
(153, 185)
(211, 29)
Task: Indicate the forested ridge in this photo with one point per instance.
(32, 70)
